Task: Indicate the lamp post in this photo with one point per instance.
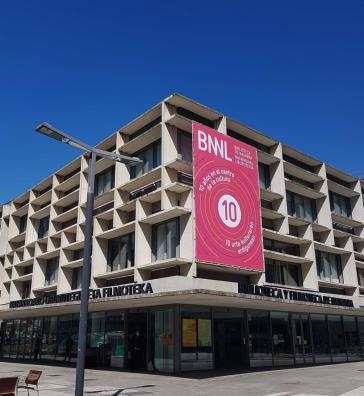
(50, 131)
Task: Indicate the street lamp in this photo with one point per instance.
(50, 131)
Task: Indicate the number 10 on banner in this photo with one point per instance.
(229, 211)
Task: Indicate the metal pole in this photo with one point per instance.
(86, 273)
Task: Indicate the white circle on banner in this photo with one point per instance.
(229, 211)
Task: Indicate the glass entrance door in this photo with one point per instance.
(302, 339)
(137, 340)
(229, 340)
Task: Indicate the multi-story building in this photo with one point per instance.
(153, 305)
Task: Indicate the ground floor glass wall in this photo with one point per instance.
(172, 338)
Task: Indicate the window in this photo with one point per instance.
(185, 145)
(329, 267)
(260, 342)
(145, 128)
(340, 204)
(51, 273)
(151, 157)
(23, 224)
(321, 343)
(195, 117)
(281, 247)
(299, 163)
(301, 207)
(247, 140)
(25, 290)
(77, 254)
(264, 176)
(43, 227)
(299, 180)
(105, 181)
(360, 273)
(77, 278)
(121, 253)
(281, 337)
(282, 273)
(196, 340)
(165, 239)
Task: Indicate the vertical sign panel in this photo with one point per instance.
(227, 206)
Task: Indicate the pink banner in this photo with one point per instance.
(226, 196)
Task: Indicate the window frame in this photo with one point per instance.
(154, 249)
(102, 175)
(130, 253)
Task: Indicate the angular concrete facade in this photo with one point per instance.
(312, 218)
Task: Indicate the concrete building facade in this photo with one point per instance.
(152, 305)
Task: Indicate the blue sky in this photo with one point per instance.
(291, 69)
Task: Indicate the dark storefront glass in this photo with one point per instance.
(352, 338)
(8, 337)
(361, 333)
(196, 341)
(115, 339)
(275, 338)
(260, 345)
(49, 338)
(301, 335)
(21, 338)
(281, 339)
(337, 338)
(162, 341)
(230, 346)
(321, 344)
(64, 338)
(28, 347)
(96, 352)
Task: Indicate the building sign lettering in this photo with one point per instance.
(106, 292)
(293, 295)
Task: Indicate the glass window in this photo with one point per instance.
(282, 273)
(151, 157)
(301, 334)
(105, 181)
(21, 338)
(43, 227)
(264, 176)
(337, 338)
(352, 338)
(281, 337)
(51, 271)
(339, 204)
(64, 338)
(165, 240)
(185, 145)
(96, 339)
(23, 223)
(121, 252)
(161, 348)
(8, 337)
(115, 339)
(26, 289)
(260, 342)
(321, 345)
(281, 247)
(49, 338)
(196, 339)
(329, 267)
(360, 273)
(77, 254)
(361, 332)
(77, 278)
(28, 352)
(301, 207)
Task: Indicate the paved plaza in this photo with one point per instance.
(333, 380)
